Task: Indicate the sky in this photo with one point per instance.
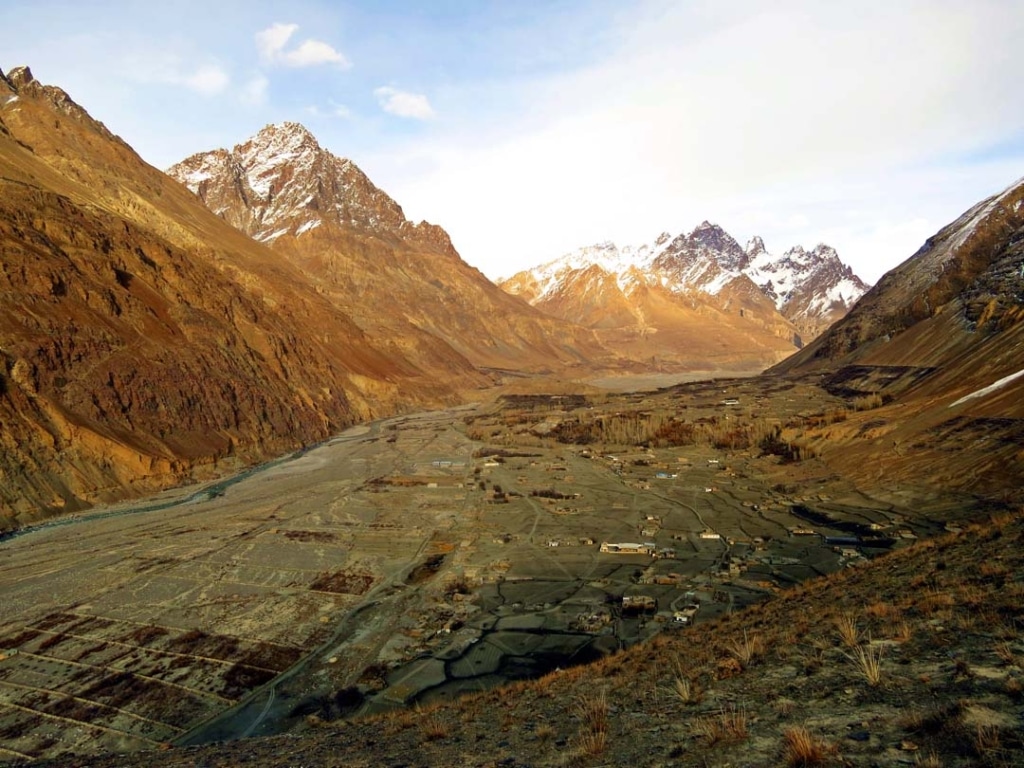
(528, 129)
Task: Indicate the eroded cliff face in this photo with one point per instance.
(143, 341)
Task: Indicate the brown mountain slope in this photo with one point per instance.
(401, 282)
(916, 658)
(142, 338)
(940, 338)
(739, 328)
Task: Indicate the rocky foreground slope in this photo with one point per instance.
(679, 292)
(914, 659)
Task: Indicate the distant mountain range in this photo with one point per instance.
(810, 289)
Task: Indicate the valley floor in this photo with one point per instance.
(417, 559)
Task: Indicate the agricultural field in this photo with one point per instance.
(420, 557)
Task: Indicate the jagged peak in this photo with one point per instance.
(280, 142)
(755, 247)
(706, 226)
(20, 76)
(824, 251)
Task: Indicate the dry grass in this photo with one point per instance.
(931, 760)
(687, 690)
(433, 728)
(882, 610)
(849, 632)
(868, 661)
(544, 732)
(590, 744)
(730, 724)
(1006, 654)
(900, 631)
(986, 740)
(747, 650)
(802, 750)
(592, 711)
(784, 707)
(592, 737)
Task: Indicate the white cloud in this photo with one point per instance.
(801, 110)
(272, 41)
(403, 103)
(254, 92)
(208, 80)
(172, 69)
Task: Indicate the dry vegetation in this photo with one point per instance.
(740, 691)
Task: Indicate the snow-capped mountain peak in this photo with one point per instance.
(281, 181)
(811, 288)
(755, 247)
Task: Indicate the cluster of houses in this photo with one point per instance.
(629, 548)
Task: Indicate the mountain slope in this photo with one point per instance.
(143, 341)
(401, 282)
(940, 340)
(948, 306)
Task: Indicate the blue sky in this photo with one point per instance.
(527, 129)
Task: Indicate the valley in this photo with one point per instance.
(417, 558)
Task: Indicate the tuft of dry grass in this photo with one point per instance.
(1014, 688)
(900, 630)
(544, 732)
(802, 750)
(592, 737)
(730, 724)
(784, 707)
(1005, 653)
(868, 661)
(433, 728)
(686, 689)
(930, 761)
(882, 610)
(591, 744)
(849, 632)
(592, 711)
(747, 650)
(985, 740)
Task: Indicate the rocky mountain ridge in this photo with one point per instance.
(401, 281)
(811, 289)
